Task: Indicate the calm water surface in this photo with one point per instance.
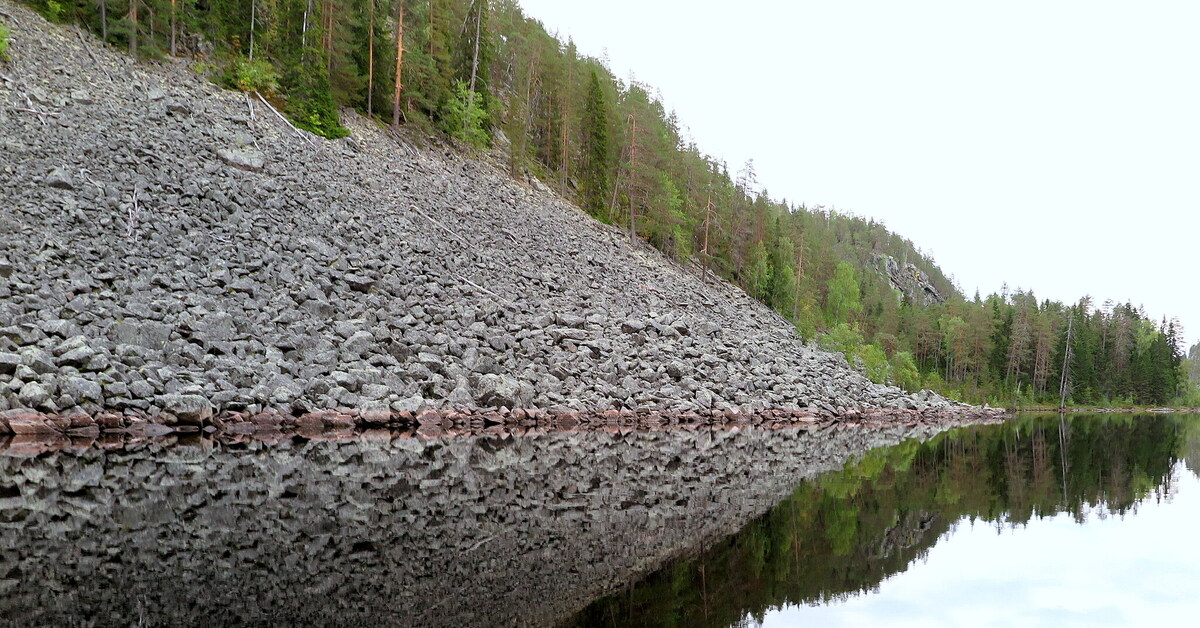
(1044, 521)
(1078, 520)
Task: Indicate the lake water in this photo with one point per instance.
(1079, 520)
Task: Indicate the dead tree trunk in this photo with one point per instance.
(175, 28)
(632, 177)
(708, 211)
(399, 62)
(475, 55)
(371, 58)
(133, 27)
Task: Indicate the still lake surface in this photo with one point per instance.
(1044, 520)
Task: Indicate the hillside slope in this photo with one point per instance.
(164, 243)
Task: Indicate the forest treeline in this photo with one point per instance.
(483, 72)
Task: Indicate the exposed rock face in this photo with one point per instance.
(384, 530)
(304, 274)
(908, 280)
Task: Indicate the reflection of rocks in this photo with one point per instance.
(909, 531)
(381, 530)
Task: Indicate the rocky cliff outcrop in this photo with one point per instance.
(170, 247)
(910, 281)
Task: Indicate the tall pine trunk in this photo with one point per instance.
(399, 62)
(133, 27)
(371, 58)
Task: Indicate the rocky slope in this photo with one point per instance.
(169, 248)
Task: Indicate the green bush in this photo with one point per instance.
(5, 35)
(257, 75)
(54, 11)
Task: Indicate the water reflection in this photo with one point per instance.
(391, 530)
(839, 537)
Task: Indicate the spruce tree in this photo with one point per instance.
(596, 184)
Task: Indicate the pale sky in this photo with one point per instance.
(1052, 145)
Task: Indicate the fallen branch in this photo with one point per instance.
(40, 113)
(444, 228)
(10, 18)
(88, 47)
(480, 544)
(285, 120)
(249, 104)
(484, 290)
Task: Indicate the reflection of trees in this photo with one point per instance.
(844, 533)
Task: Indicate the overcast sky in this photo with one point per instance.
(1050, 145)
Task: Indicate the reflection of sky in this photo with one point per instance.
(1142, 569)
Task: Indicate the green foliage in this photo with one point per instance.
(844, 301)
(596, 183)
(54, 11)
(841, 338)
(5, 36)
(904, 371)
(464, 118)
(875, 364)
(247, 75)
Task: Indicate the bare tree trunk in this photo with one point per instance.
(399, 62)
(304, 28)
(133, 28)
(565, 151)
(253, 21)
(175, 28)
(1064, 385)
(708, 206)
(796, 289)
(329, 36)
(632, 169)
(371, 58)
(104, 20)
(475, 55)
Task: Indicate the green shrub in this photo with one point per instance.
(5, 36)
(257, 75)
(54, 11)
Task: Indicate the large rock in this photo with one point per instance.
(60, 178)
(9, 363)
(501, 390)
(244, 158)
(192, 409)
